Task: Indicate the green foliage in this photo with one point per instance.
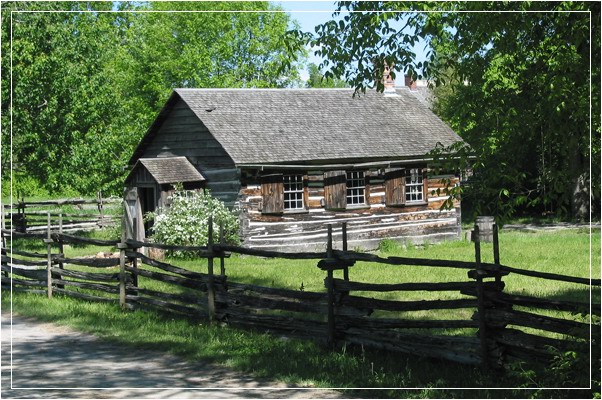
(186, 221)
(567, 369)
(514, 81)
(86, 85)
(317, 79)
(388, 246)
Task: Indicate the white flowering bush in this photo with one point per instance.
(186, 221)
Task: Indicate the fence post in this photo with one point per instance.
(344, 232)
(222, 241)
(48, 242)
(330, 283)
(480, 299)
(135, 249)
(122, 246)
(496, 251)
(210, 287)
(61, 249)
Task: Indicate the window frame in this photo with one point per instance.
(356, 183)
(411, 188)
(298, 192)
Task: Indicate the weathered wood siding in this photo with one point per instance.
(183, 134)
(366, 226)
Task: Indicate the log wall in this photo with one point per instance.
(367, 226)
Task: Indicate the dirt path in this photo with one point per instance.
(49, 361)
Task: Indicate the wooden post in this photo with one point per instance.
(48, 241)
(210, 287)
(330, 285)
(135, 259)
(222, 241)
(100, 209)
(61, 249)
(496, 250)
(480, 299)
(344, 232)
(122, 247)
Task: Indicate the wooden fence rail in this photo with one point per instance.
(501, 326)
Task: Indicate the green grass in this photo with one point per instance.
(302, 362)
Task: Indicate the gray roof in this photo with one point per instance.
(297, 125)
(171, 170)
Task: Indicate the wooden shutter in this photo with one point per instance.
(335, 190)
(272, 192)
(395, 194)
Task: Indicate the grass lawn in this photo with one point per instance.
(564, 252)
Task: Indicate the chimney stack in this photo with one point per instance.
(410, 83)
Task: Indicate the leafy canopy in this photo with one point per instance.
(518, 82)
(90, 77)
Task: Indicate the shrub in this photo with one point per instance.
(186, 221)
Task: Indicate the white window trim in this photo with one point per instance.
(294, 190)
(414, 187)
(356, 182)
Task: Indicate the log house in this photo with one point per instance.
(293, 160)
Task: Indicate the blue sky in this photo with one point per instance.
(311, 13)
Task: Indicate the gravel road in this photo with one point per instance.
(49, 361)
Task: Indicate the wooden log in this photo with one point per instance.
(530, 320)
(165, 305)
(354, 256)
(25, 282)
(234, 287)
(175, 280)
(122, 248)
(550, 276)
(24, 290)
(89, 276)
(90, 262)
(345, 286)
(258, 303)
(393, 305)
(393, 323)
(210, 280)
(48, 242)
(546, 304)
(275, 323)
(84, 296)
(18, 261)
(171, 268)
(23, 253)
(458, 349)
(86, 285)
(66, 238)
(201, 251)
(196, 299)
(23, 235)
(481, 313)
(271, 254)
(39, 274)
(528, 347)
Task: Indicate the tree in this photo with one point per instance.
(520, 89)
(317, 79)
(87, 84)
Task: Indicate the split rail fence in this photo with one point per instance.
(495, 326)
(84, 214)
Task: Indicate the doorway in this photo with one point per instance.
(148, 203)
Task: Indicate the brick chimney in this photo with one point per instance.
(409, 82)
(388, 80)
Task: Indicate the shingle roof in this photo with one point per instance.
(171, 170)
(295, 125)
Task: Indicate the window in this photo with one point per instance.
(414, 186)
(356, 187)
(293, 192)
